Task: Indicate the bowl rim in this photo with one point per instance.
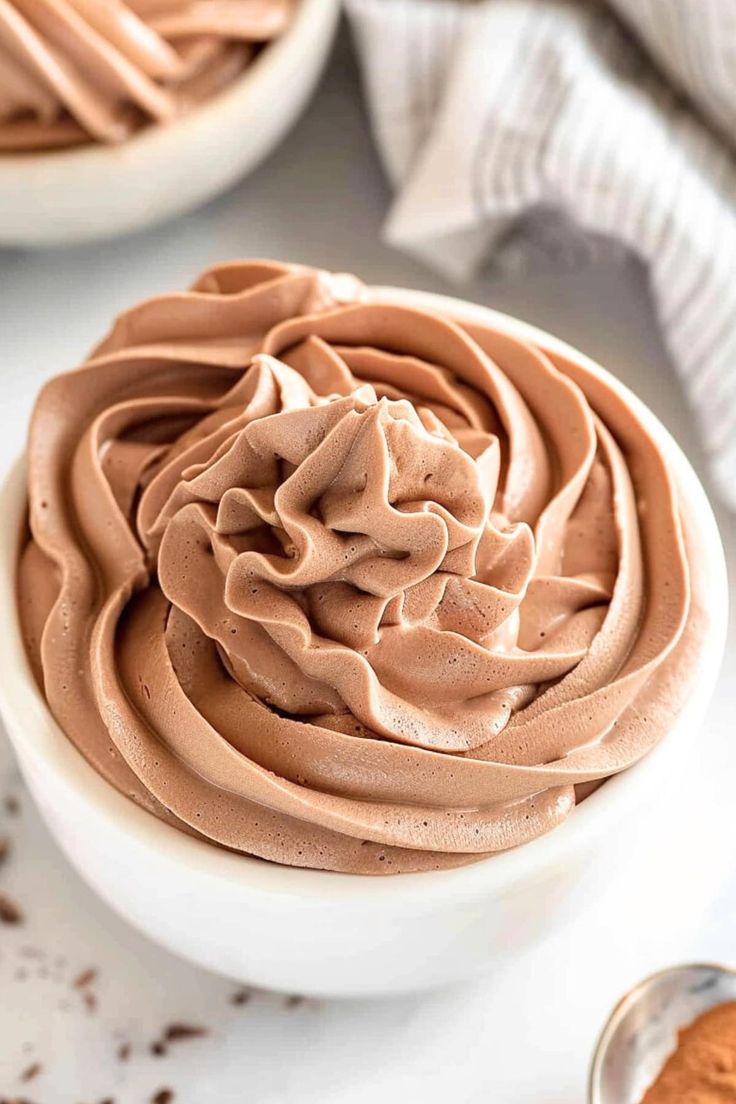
(35, 733)
(276, 54)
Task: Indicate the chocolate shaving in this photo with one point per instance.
(4, 849)
(294, 1001)
(241, 996)
(176, 1031)
(123, 1052)
(163, 1096)
(90, 1001)
(31, 1071)
(85, 978)
(9, 912)
(12, 805)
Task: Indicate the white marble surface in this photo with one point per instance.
(525, 1036)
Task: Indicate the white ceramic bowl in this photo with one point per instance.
(97, 191)
(345, 935)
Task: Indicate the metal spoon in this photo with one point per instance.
(641, 1032)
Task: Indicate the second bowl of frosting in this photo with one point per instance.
(115, 116)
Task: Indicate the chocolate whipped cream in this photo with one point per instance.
(72, 71)
(348, 585)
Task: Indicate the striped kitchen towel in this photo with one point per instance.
(621, 116)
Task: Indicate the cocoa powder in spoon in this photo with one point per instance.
(702, 1069)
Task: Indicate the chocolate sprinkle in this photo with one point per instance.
(4, 849)
(163, 1096)
(124, 1052)
(241, 996)
(85, 978)
(31, 1071)
(9, 912)
(176, 1031)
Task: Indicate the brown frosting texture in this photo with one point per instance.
(73, 71)
(349, 585)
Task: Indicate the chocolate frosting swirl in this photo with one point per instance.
(78, 70)
(348, 585)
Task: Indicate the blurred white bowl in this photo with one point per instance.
(328, 934)
(95, 191)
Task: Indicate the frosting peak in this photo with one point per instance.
(350, 541)
(348, 585)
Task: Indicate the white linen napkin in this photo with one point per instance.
(618, 116)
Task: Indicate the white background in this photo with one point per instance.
(525, 1036)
